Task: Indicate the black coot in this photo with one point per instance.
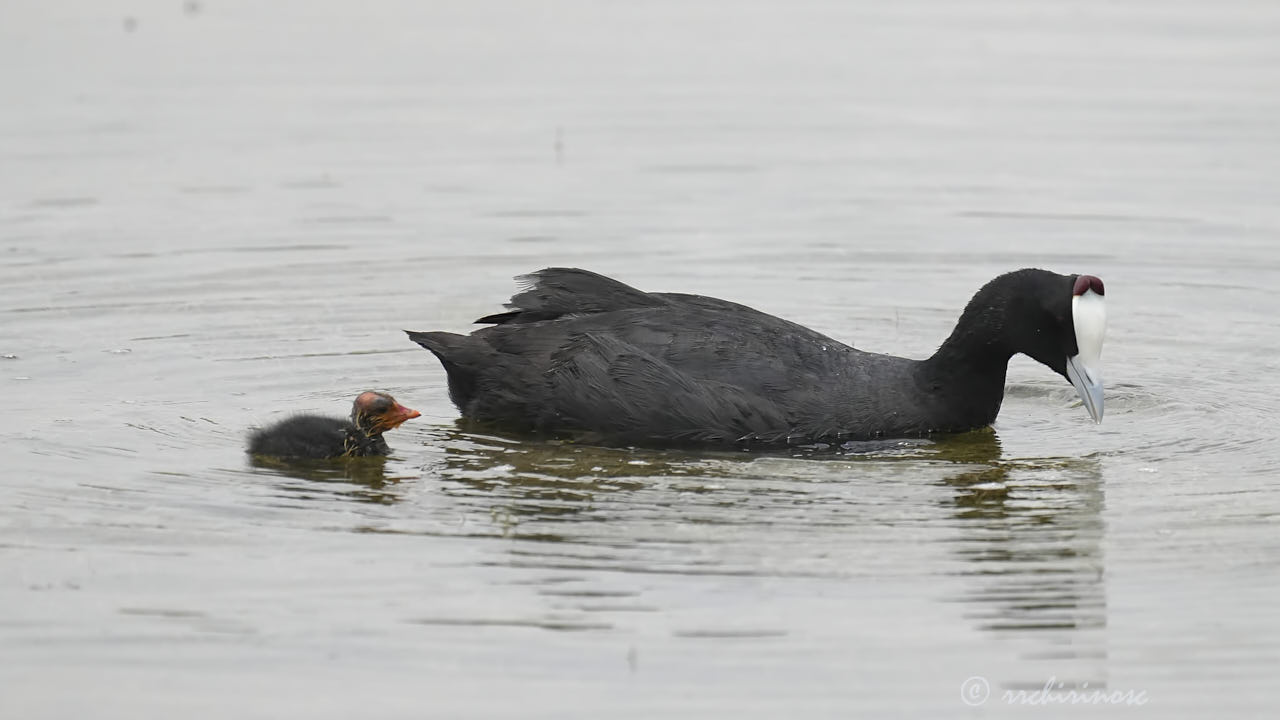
(316, 436)
(583, 355)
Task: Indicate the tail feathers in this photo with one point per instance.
(461, 356)
(553, 292)
(444, 345)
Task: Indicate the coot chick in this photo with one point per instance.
(583, 355)
(319, 437)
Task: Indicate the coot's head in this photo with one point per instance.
(1060, 320)
(377, 412)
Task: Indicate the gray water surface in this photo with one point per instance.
(215, 214)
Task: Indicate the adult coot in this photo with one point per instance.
(583, 355)
(316, 436)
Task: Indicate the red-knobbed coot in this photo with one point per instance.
(316, 436)
(581, 354)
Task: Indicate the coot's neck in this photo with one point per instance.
(360, 442)
(965, 377)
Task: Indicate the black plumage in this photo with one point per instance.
(583, 355)
(319, 437)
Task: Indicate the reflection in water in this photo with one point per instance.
(555, 480)
(534, 481)
(361, 478)
(1031, 533)
(1028, 531)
